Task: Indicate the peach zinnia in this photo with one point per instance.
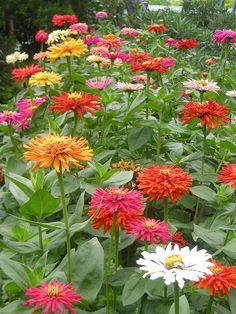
(161, 182)
(210, 113)
(53, 297)
(228, 175)
(57, 151)
(127, 204)
(222, 279)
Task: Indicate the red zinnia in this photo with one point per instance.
(228, 175)
(187, 43)
(156, 28)
(60, 20)
(79, 102)
(222, 279)
(41, 36)
(138, 57)
(160, 182)
(24, 73)
(127, 204)
(209, 112)
(160, 65)
(178, 238)
(151, 230)
(53, 297)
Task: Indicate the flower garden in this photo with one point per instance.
(118, 172)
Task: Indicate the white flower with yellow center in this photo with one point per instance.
(176, 264)
(202, 85)
(23, 56)
(231, 93)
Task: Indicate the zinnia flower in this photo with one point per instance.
(176, 264)
(178, 238)
(99, 84)
(45, 78)
(40, 55)
(10, 117)
(114, 55)
(160, 182)
(57, 151)
(209, 112)
(78, 102)
(70, 47)
(157, 28)
(58, 35)
(171, 42)
(81, 28)
(220, 281)
(128, 31)
(138, 57)
(151, 230)
(89, 40)
(187, 43)
(140, 78)
(53, 297)
(41, 36)
(228, 175)
(129, 87)
(126, 204)
(110, 41)
(210, 61)
(231, 93)
(101, 15)
(60, 20)
(160, 65)
(224, 35)
(202, 85)
(22, 74)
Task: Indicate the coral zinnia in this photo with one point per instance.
(45, 78)
(127, 204)
(53, 297)
(160, 65)
(178, 238)
(99, 84)
(41, 36)
(160, 182)
(70, 47)
(151, 230)
(79, 102)
(209, 112)
(57, 151)
(228, 175)
(222, 279)
(131, 32)
(187, 43)
(22, 74)
(157, 28)
(60, 20)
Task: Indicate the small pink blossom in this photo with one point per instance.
(41, 36)
(99, 84)
(129, 87)
(202, 85)
(81, 28)
(89, 40)
(224, 35)
(171, 42)
(114, 55)
(101, 15)
(131, 32)
(140, 78)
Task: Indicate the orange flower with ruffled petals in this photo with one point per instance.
(22, 74)
(57, 151)
(161, 182)
(157, 28)
(228, 175)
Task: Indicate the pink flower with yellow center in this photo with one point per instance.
(202, 85)
(99, 84)
(150, 230)
(224, 35)
(128, 31)
(53, 297)
(129, 87)
(81, 28)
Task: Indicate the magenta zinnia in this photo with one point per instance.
(150, 230)
(53, 297)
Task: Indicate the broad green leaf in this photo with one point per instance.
(76, 217)
(119, 178)
(230, 249)
(138, 137)
(204, 192)
(134, 289)
(232, 301)
(15, 307)
(183, 306)
(20, 247)
(71, 183)
(176, 148)
(121, 276)
(22, 183)
(15, 166)
(40, 205)
(213, 238)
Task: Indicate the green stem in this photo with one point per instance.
(147, 90)
(159, 140)
(129, 94)
(166, 214)
(117, 235)
(165, 294)
(139, 306)
(146, 245)
(66, 221)
(229, 231)
(12, 140)
(176, 293)
(40, 238)
(75, 123)
(68, 59)
(222, 161)
(210, 303)
(204, 130)
(201, 95)
(196, 216)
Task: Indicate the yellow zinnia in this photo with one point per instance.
(70, 47)
(45, 78)
(57, 151)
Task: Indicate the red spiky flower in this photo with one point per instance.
(187, 43)
(228, 175)
(22, 74)
(160, 65)
(157, 28)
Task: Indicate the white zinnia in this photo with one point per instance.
(58, 35)
(202, 85)
(129, 87)
(12, 58)
(23, 56)
(231, 93)
(176, 264)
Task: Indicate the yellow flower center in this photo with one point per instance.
(110, 37)
(7, 112)
(165, 171)
(118, 192)
(158, 58)
(53, 291)
(174, 261)
(216, 269)
(150, 224)
(202, 82)
(75, 96)
(32, 108)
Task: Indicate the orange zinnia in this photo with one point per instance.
(157, 28)
(22, 74)
(228, 175)
(161, 182)
(222, 279)
(57, 151)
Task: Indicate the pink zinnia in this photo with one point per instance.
(131, 32)
(60, 20)
(101, 15)
(140, 78)
(224, 35)
(99, 84)
(10, 117)
(53, 297)
(41, 36)
(114, 55)
(171, 42)
(89, 40)
(81, 28)
(151, 230)
(127, 204)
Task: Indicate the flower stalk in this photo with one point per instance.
(210, 303)
(176, 297)
(166, 210)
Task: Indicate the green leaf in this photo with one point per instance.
(183, 306)
(40, 205)
(121, 276)
(176, 148)
(119, 178)
(71, 183)
(139, 137)
(15, 166)
(22, 183)
(20, 247)
(230, 249)
(213, 238)
(15, 307)
(78, 209)
(134, 289)
(232, 301)
(204, 192)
